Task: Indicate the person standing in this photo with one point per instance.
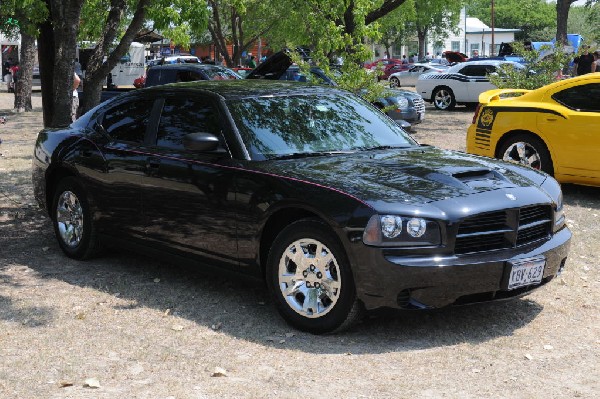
(75, 103)
(583, 63)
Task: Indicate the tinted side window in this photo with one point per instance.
(582, 98)
(181, 116)
(188, 76)
(475, 70)
(127, 122)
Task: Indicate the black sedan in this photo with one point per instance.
(308, 187)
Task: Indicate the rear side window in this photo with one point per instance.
(584, 98)
(181, 116)
(188, 76)
(128, 121)
(477, 70)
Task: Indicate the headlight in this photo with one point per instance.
(401, 102)
(559, 213)
(394, 230)
(552, 187)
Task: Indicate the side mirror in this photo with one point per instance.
(403, 124)
(200, 142)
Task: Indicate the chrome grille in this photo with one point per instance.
(503, 229)
(419, 105)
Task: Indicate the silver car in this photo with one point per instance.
(410, 76)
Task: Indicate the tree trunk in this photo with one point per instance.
(562, 16)
(421, 36)
(23, 86)
(46, 60)
(97, 69)
(65, 21)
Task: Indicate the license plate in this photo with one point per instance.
(526, 272)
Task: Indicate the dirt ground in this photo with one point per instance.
(128, 326)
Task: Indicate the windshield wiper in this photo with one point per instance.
(296, 155)
(382, 147)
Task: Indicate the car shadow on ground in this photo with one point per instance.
(581, 195)
(240, 308)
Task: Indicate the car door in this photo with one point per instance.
(189, 197)
(412, 75)
(475, 82)
(124, 127)
(575, 139)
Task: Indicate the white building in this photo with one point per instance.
(472, 34)
(478, 37)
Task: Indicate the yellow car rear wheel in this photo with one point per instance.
(526, 149)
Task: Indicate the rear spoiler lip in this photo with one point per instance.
(494, 95)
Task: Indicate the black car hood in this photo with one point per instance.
(272, 68)
(415, 175)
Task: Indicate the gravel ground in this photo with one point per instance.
(125, 325)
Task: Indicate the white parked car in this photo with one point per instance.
(460, 84)
(410, 76)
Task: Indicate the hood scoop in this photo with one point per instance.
(477, 179)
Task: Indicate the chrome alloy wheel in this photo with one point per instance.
(443, 99)
(524, 154)
(309, 278)
(69, 219)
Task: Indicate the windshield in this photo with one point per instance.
(280, 126)
(221, 74)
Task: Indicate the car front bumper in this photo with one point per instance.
(387, 279)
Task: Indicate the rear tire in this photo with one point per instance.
(309, 277)
(527, 149)
(443, 99)
(72, 220)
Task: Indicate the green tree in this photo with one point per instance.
(435, 17)
(395, 28)
(241, 23)
(535, 18)
(122, 20)
(21, 18)
(584, 20)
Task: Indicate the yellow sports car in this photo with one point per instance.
(555, 128)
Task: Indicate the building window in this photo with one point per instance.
(474, 48)
(455, 45)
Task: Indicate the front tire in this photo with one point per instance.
(529, 150)
(443, 99)
(394, 82)
(309, 277)
(72, 220)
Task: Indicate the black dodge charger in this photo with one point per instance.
(310, 188)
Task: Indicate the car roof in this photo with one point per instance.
(188, 66)
(242, 88)
(495, 63)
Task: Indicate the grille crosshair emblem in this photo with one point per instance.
(511, 197)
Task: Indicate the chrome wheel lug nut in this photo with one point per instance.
(305, 273)
(319, 275)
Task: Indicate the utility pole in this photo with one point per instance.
(493, 52)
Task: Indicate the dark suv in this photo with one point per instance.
(172, 73)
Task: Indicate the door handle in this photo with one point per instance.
(551, 119)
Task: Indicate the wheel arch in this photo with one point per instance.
(512, 133)
(279, 220)
(53, 176)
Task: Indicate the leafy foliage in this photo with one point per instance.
(540, 70)
(535, 18)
